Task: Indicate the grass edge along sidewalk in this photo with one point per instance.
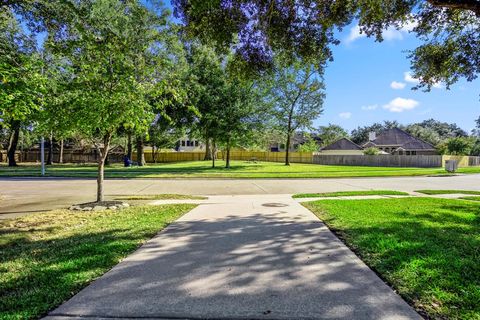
(425, 248)
(351, 194)
(46, 258)
(239, 170)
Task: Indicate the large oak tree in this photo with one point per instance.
(449, 29)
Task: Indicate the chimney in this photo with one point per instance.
(372, 136)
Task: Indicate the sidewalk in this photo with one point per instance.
(241, 257)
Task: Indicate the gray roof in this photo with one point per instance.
(343, 144)
(398, 137)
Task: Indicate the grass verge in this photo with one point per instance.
(46, 258)
(351, 193)
(435, 192)
(471, 198)
(161, 197)
(427, 249)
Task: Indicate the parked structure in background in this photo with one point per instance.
(298, 139)
(343, 146)
(395, 141)
(389, 142)
(190, 144)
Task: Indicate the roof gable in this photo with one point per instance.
(398, 137)
(343, 144)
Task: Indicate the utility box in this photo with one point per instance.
(451, 165)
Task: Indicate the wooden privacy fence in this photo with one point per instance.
(68, 157)
(379, 160)
(295, 157)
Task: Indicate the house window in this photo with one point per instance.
(183, 143)
(408, 153)
(414, 153)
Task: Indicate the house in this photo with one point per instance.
(189, 144)
(343, 146)
(297, 140)
(395, 141)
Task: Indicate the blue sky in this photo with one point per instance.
(360, 91)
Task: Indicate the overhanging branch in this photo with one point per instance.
(472, 5)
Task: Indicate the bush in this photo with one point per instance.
(372, 151)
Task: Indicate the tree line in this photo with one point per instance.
(232, 73)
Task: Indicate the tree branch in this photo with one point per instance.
(472, 5)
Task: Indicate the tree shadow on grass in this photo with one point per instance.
(430, 258)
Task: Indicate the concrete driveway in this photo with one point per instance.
(240, 257)
(24, 196)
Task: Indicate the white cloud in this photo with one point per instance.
(345, 115)
(407, 76)
(370, 107)
(389, 34)
(354, 34)
(397, 85)
(401, 104)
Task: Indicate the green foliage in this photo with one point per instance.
(310, 145)
(331, 133)
(458, 146)
(295, 95)
(21, 80)
(450, 30)
(372, 151)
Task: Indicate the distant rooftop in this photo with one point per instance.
(343, 144)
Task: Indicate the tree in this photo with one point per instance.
(21, 80)
(238, 116)
(296, 97)
(458, 146)
(207, 93)
(309, 146)
(331, 133)
(107, 70)
(449, 29)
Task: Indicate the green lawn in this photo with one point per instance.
(427, 249)
(351, 193)
(436, 192)
(240, 169)
(46, 258)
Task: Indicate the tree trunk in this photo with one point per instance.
(140, 153)
(154, 149)
(50, 150)
(287, 150)
(12, 146)
(129, 146)
(60, 157)
(227, 159)
(208, 151)
(101, 166)
(213, 153)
